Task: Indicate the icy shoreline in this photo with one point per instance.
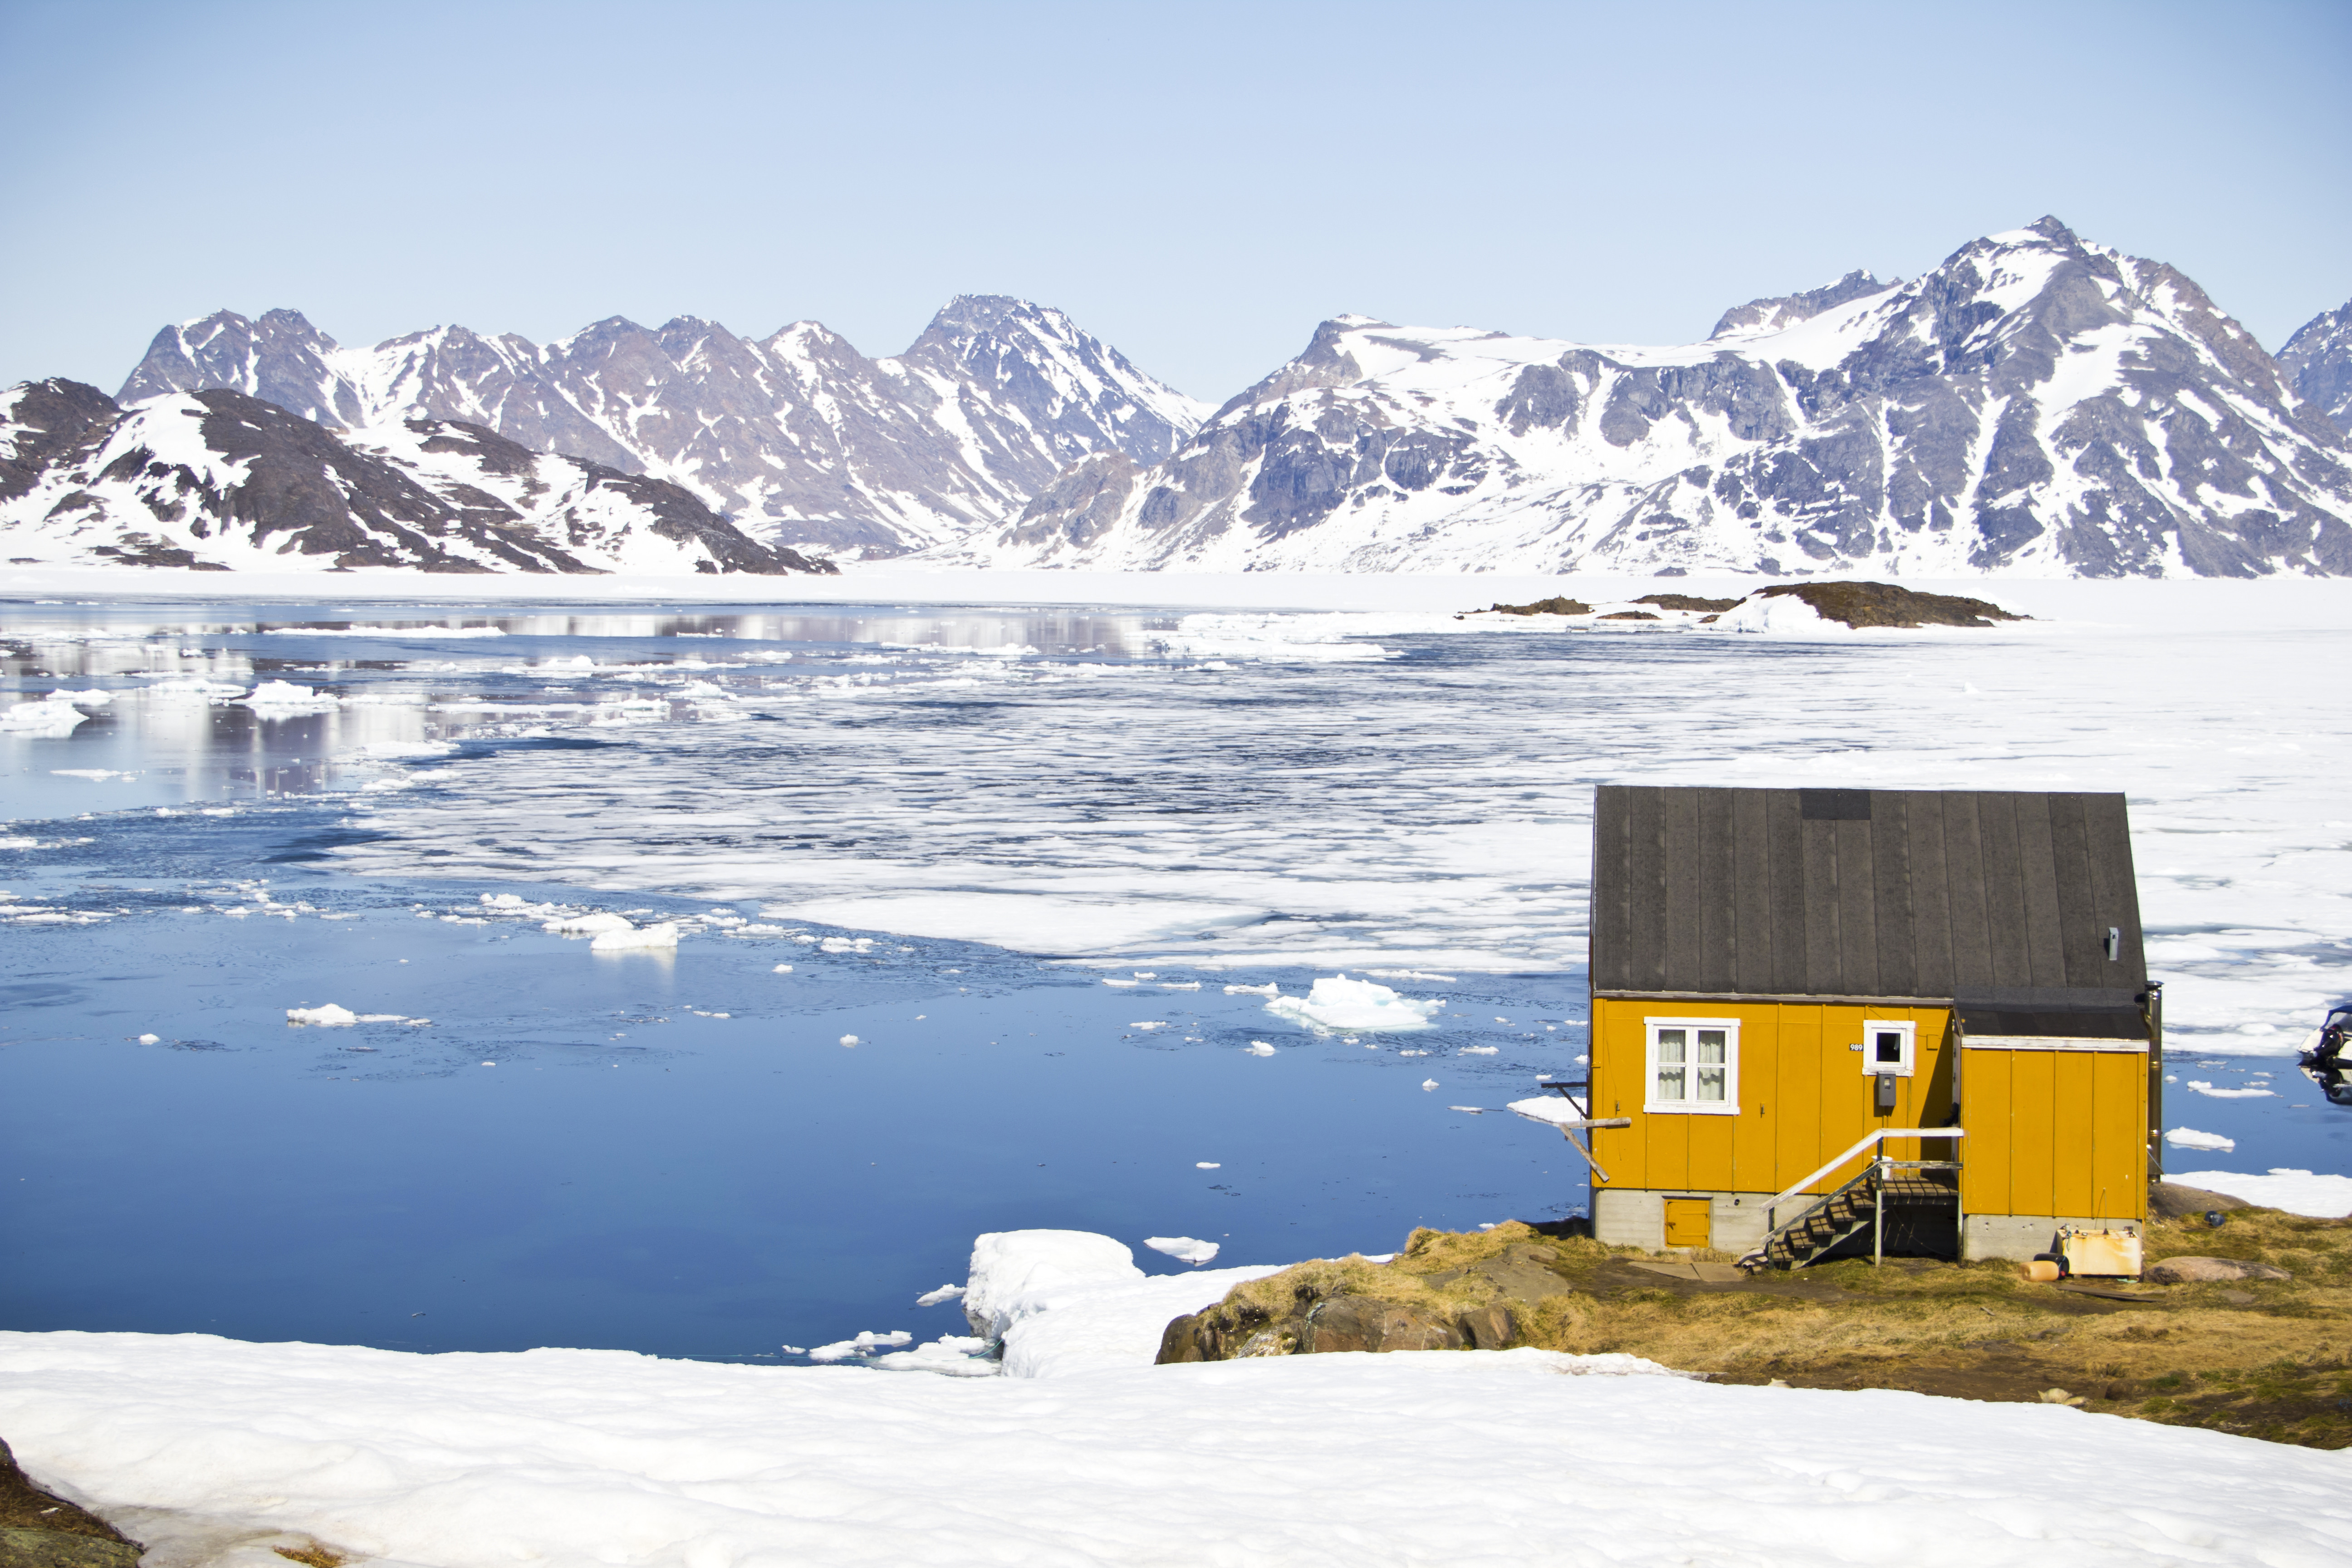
(1085, 1454)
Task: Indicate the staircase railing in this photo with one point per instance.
(1771, 1219)
(1873, 1175)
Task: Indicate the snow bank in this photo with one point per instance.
(1067, 1301)
(1339, 1002)
(1784, 614)
(1184, 1248)
(2297, 1192)
(575, 1458)
(1549, 1107)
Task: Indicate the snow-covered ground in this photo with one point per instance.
(215, 1451)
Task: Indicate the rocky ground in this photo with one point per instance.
(2254, 1341)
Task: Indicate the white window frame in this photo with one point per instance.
(1728, 1105)
(1871, 1029)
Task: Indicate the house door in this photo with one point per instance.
(1686, 1222)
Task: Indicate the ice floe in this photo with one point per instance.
(1184, 1248)
(2189, 1138)
(1336, 1003)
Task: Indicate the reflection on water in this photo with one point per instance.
(183, 727)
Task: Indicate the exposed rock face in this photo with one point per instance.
(2038, 404)
(2211, 1271)
(39, 1529)
(1860, 604)
(222, 480)
(797, 435)
(1560, 604)
(2318, 364)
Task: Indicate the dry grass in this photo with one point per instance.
(316, 1555)
(2272, 1359)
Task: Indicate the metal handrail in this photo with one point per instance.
(1771, 1218)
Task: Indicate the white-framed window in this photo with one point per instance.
(1889, 1047)
(1693, 1066)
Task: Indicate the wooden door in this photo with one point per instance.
(1686, 1222)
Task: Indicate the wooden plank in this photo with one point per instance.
(1751, 878)
(1678, 812)
(1987, 1154)
(2074, 1131)
(1796, 1111)
(2118, 1138)
(1786, 839)
(2114, 890)
(1930, 895)
(1645, 887)
(2037, 873)
(2034, 1131)
(2081, 938)
(1964, 892)
(1824, 968)
(1713, 905)
(1893, 931)
(2004, 892)
(1751, 1131)
(1857, 907)
(1608, 931)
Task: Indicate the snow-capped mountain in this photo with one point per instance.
(220, 481)
(2037, 404)
(797, 437)
(2318, 363)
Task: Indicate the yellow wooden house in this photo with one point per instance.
(1830, 1020)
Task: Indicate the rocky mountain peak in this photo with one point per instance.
(1759, 316)
(2317, 362)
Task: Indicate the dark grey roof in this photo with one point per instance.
(1928, 893)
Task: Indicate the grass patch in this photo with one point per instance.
(316, 1555)
(2264, 1358)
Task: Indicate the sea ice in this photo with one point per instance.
(1184, 1248)
(2322, 1196)
(642, 937)
(865, 1343)
(1335, 1002)
(588, 925)
(1257, 1048)
(330, 1016)
(944, 1293)
(2189, 1138)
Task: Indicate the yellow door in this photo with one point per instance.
(1686, 1222)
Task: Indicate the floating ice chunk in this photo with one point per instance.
(1338, 1003)
(1162, 1024)
(285, 697)
(848, 944)
(1207, 1166)
(1427, 1084)
(851, 1040)
(866, 1343)
(2189, 1138)
(782, 969)
(489, 1064)
(1273, 988)
(1258, 1049)
(40, 719)
(944, 1293)
(92, 698)
(1184, 1248)
(96, 776)
(1480, 1050)
(328, 1016)
(632, 940)
(2209, 1092)
(151, 1039)
(1179, 986)
(949, 1355)
(1470, 1110)
(1145, 974)
(587, 925)
(1123, 983)
(1409, 975)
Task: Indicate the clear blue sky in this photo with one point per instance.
(1198, 183)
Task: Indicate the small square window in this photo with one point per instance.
(1888, 1047)
(1692, 1067)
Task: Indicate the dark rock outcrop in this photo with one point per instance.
(2318, 363)
(39, 1529)
(1861, 605)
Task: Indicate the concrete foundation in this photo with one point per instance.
(2020, 1236)
(1636, 1217)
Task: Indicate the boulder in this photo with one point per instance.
(1364, 1323)
(2211, 1271)
(1489, 1328)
